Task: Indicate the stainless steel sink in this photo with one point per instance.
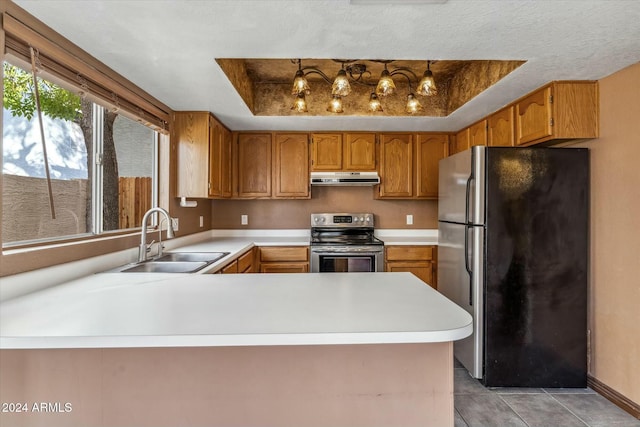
(166, 267)
(209, 257)
(175, 262)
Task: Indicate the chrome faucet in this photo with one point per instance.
(143, 249)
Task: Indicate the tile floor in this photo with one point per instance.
(477, 406)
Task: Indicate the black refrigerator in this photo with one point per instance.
(513, 251)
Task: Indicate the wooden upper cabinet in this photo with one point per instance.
(500, 128)
(220, 183)
(430, 148)
(478, 134)
(396, 166)
(533, 116)
(461, 142)
(327, 152)
(291, 166)
(191, 136)
(254, 165)
(360, 152)
(332, 152)
(558, 111)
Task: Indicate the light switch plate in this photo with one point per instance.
(201, 221)
(409, 219)
(175, 224)
(244, 219)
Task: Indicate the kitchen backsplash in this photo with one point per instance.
(292, 214)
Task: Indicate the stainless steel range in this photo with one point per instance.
(344, 242)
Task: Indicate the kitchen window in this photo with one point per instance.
(102, 164)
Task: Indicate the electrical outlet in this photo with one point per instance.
(244, 219)
(409, 219)
(175, 224)
(201, 221)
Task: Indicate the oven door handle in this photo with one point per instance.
(346, 250)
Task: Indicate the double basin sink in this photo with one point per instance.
(175, 262)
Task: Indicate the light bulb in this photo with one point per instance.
(300, 104)
(413, 105)
(386, 86)
(374, 103)
(427, 85)
(341, 86)
(335, 105)
(300, 84)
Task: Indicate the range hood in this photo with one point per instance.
(345, 178)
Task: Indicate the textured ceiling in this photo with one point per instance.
(168, 47)
(265, 84)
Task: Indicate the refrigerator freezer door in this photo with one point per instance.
(460, 278)
(452, 187)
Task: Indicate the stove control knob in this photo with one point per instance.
(355, 219)
(362, 219)
(322, 219)
(368, 219)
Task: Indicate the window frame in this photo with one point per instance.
(74, 65)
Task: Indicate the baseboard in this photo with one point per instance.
(616, 398)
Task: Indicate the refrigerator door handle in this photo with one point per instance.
(467, 199)
(467, 263)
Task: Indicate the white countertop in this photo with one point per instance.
(170, 310)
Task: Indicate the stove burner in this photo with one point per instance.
(343, 229)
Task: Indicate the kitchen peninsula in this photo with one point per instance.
(269, 349)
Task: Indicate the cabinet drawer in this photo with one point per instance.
(280, 253)
(409, 253)
(284, 268)
(245, 261)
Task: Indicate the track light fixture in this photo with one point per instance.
(354, 71)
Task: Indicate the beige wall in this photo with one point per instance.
(615, 235)
(287, 214)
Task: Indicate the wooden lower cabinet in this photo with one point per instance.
(419, 260)
(283, 259)
(231, 268)
(245, 263)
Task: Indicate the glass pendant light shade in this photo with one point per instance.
(335, 105)
(300, 84)
(413, 105)
(341, 86)
(374, 103)
(427, 85)
(385, 84)
(300, 104)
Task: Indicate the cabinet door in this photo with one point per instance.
(327, 152)
(430, 148)
(360, 152)
(191, 135)
(291, 166)
(226, 168)
(254, 165)
(461, 142)
(500, 128)
(219, 161)
(245, 262)
(478, 134)
(396, 166)
(533, 117)
(231, 268)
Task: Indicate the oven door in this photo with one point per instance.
(345, 259)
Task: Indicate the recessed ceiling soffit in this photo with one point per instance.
(265, 85)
